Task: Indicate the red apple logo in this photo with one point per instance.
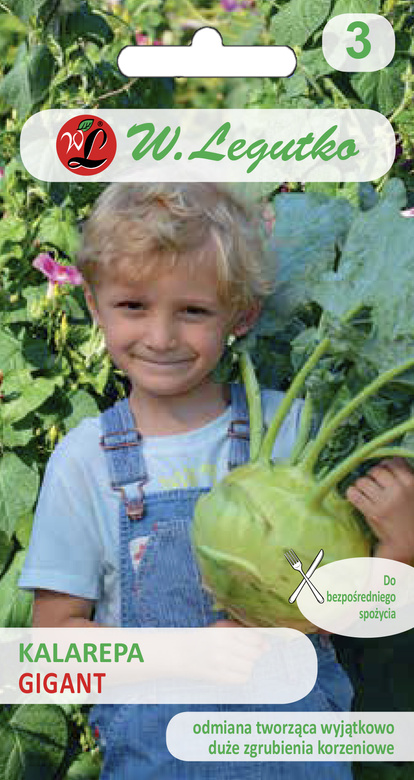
(86, 145)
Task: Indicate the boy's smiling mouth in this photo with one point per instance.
(169, 362)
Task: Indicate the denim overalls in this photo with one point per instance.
(165, 590)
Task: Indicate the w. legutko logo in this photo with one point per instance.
(86, 145)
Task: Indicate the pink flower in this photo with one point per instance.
(234, 5)
(408, 212)
(1, 173)
(56, 273)
(144, 40)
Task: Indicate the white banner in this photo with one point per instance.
(208, 145)
(287, 736)
(156, 665)
(364, 597)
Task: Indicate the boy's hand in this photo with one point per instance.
(227, 657)
(386, 497)
(232, 658)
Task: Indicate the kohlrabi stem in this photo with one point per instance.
(304, 430)
(326, 431)
(289, 397)
(393, 452)
(254, 402)
(369, 450)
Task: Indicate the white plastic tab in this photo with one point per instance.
(206, 57)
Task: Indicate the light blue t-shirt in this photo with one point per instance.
(74, 543)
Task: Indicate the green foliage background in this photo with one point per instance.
(54, 369)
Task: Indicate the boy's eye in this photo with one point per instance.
(132, 305)
(197, 311)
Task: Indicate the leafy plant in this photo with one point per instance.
(243, 526)
(53, 368)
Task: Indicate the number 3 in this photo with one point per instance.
(362, 37)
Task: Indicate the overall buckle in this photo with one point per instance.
(134, 507)
(106, 446)
(235, 434)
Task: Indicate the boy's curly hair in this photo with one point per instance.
(136, 230)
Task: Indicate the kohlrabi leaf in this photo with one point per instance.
(308, 232)
(376, 272)
(331, 259)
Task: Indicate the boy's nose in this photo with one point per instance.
(161, 335)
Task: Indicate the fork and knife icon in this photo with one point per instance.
(296, 564)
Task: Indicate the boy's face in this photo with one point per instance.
(167, 332)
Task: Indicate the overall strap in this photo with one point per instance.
(239, 429)
(122, 445)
